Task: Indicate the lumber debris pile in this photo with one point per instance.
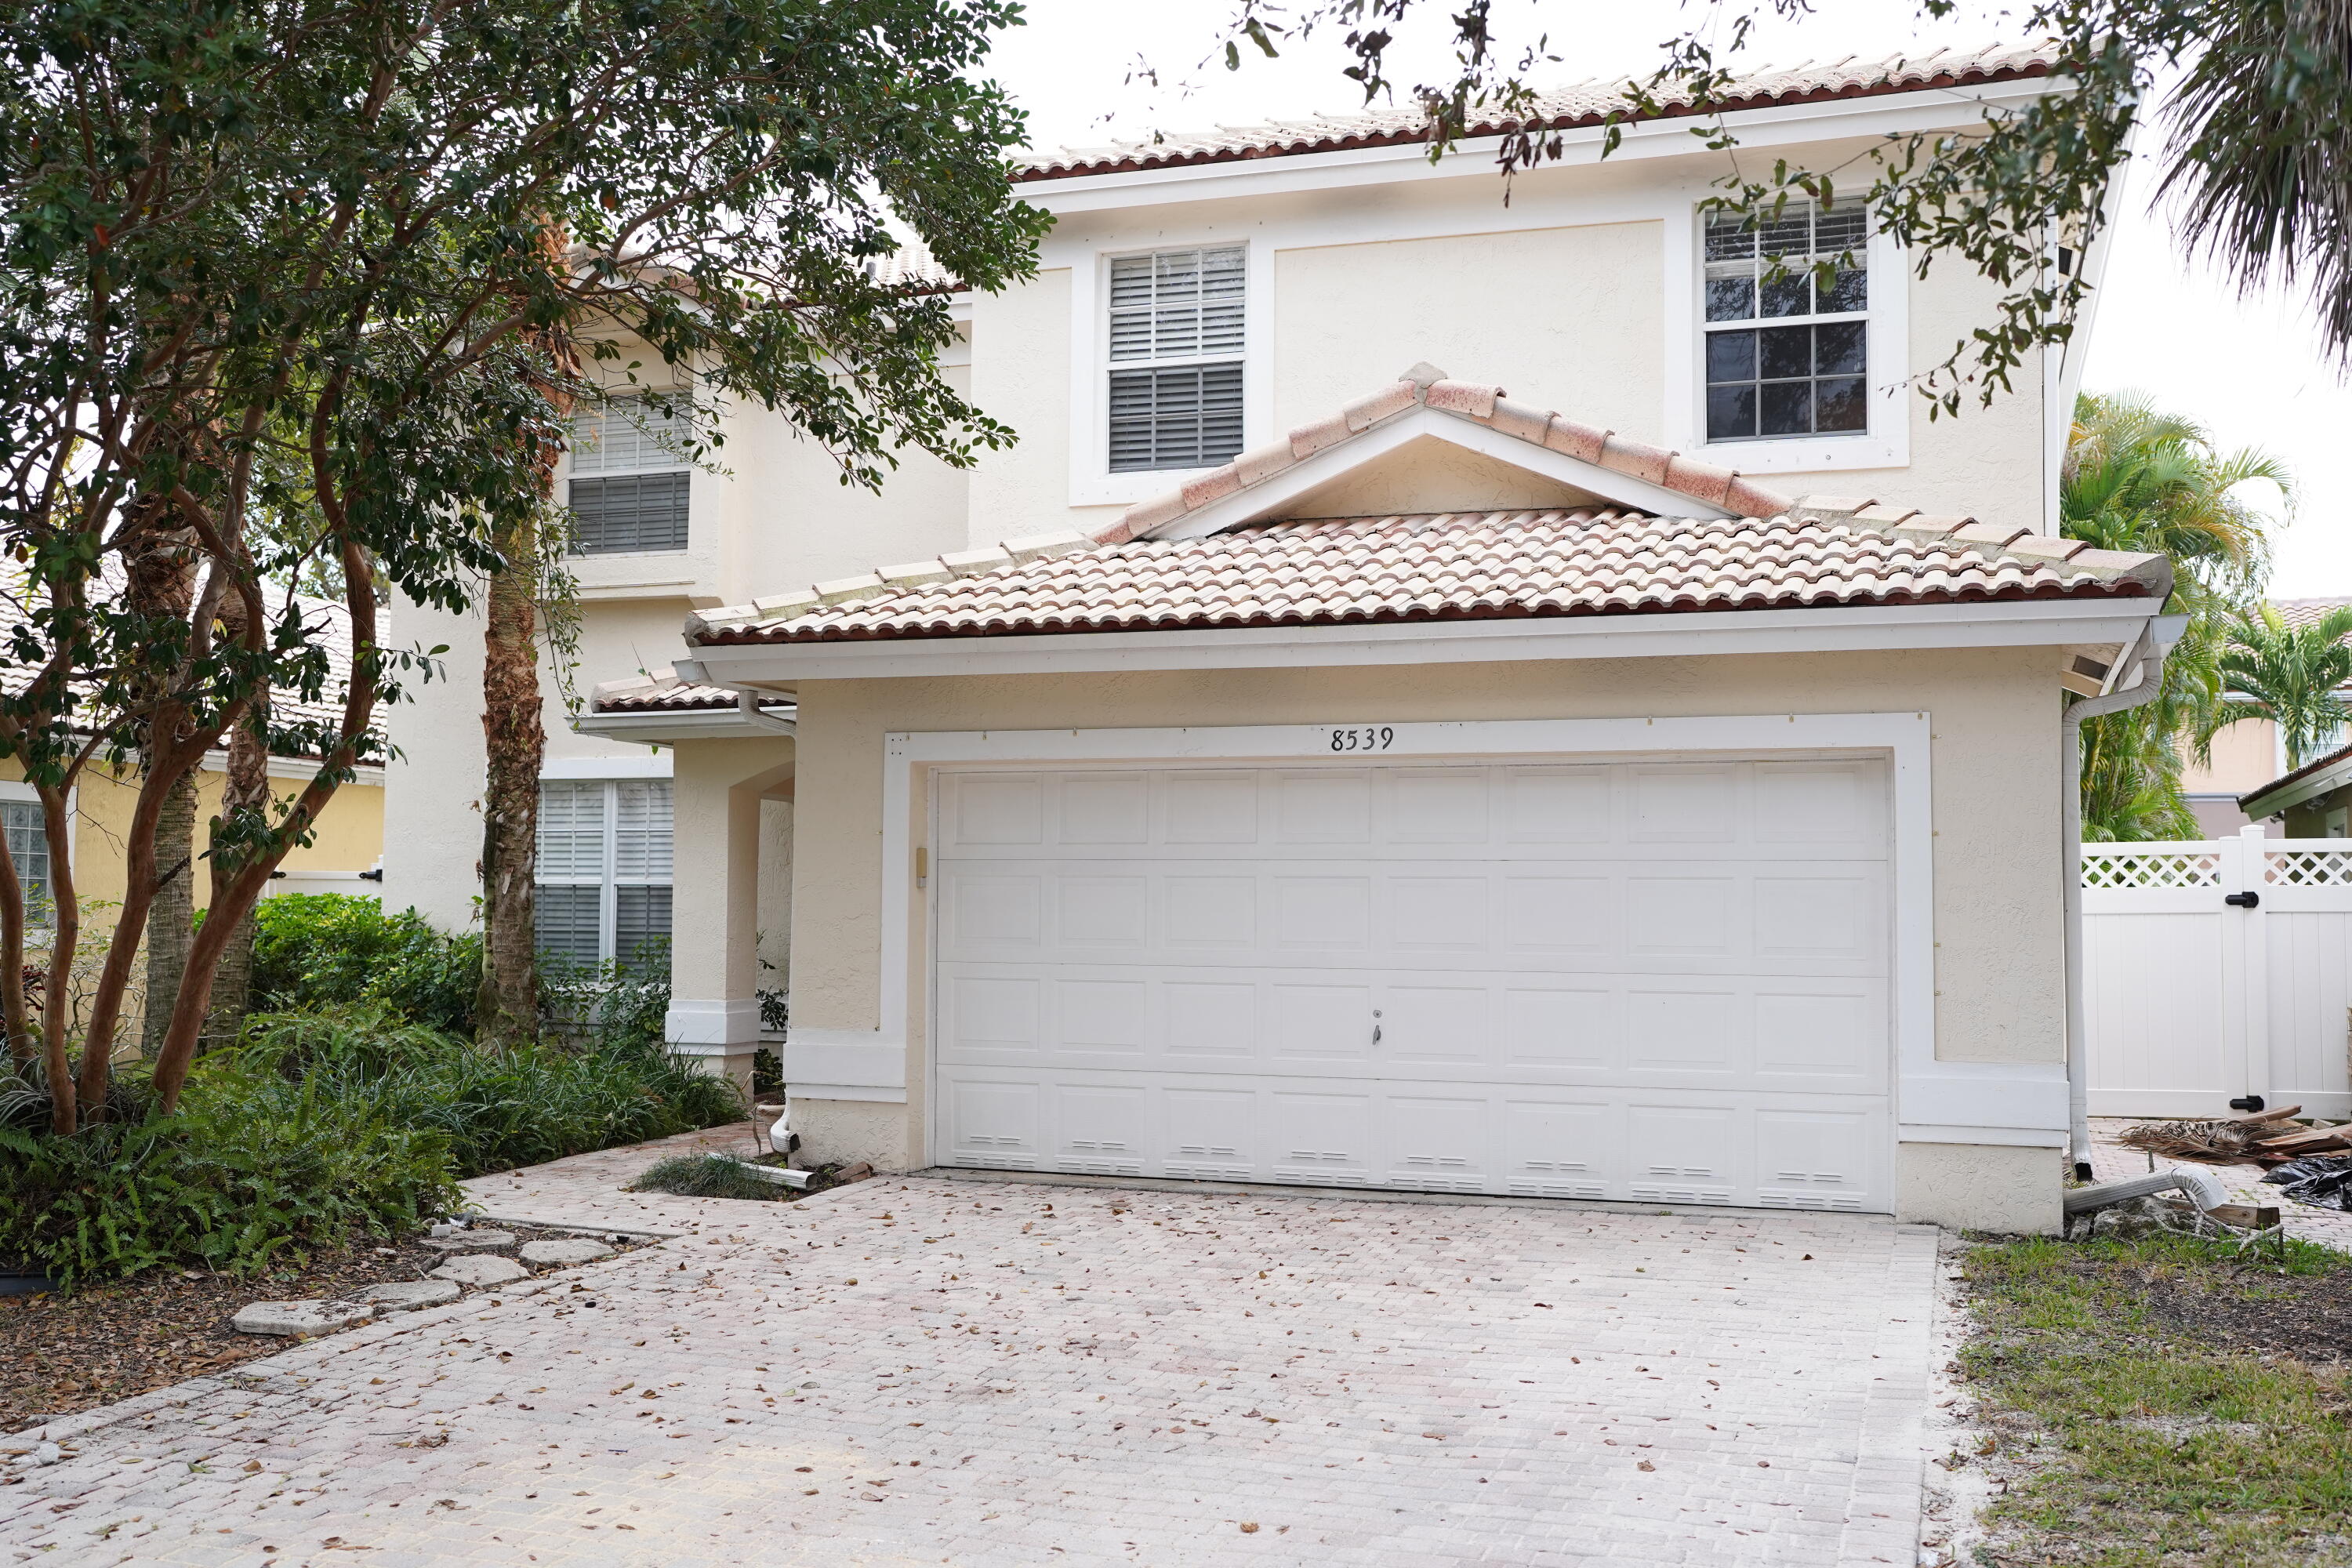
(2263, 1137)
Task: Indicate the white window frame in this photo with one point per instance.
(1887, 441)
(24, 794)
(608, 878)
(677, 464)
(1092, 482)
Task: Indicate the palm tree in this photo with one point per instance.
(2289, 675)
(2139, 479)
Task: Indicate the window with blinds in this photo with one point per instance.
(28, 846)
(1177, 332)
(1787, 324)
(629, 479)
(604, 887)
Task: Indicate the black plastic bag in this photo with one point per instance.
(2323, 1180)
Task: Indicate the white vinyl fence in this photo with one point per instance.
(2216, 971)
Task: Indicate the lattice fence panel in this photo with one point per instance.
(2308, 868)
(2152, 869)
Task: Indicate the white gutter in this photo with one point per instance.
(2154, 642)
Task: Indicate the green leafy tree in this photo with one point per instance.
(2139, 479)
(2259, 145)
(2292, 676)
(258, 255)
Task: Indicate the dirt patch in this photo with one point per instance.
(2309, 1317)
(62, 1354)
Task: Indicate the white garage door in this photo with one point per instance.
(1649, 981)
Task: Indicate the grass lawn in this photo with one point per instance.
(2164, 1402)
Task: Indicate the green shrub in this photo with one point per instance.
(245, 1175)
(707, 1176)
(314, 950)
(496, 1109)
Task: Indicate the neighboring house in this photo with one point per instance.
(2249, 756)
(345, 854)
(2314, 801)
(1280, 769)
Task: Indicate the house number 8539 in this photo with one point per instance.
(1367, 739)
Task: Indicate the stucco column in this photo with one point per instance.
(714, 1011)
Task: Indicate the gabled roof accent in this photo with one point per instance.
(1583, 105)
(1614, 468)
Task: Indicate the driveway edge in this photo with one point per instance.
(1884, 1508)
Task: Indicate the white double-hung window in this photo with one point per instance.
(1787, 323)
(28, 846)
(603, 883)
(629, 479)
(1176, 336)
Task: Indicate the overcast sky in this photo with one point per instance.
(2247, 370)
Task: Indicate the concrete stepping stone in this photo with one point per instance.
(481, 1268)
(406, 1295)
(297, 1319)
(466, 1241)
(557, 1253)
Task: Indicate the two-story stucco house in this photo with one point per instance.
(1447, 695)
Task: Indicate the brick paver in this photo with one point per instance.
(924, 1370)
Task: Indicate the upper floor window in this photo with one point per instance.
(628, 479)
(1787, 323)
(1176, 327)
(604, 887)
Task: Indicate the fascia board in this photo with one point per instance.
(656, 729)
(1848, 629)
(2264, 804)
(1265, 499)
(1778, 126)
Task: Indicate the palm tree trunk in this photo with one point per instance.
(506, 1010)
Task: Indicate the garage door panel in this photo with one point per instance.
(1449, 1024)
(1824, 1034)
(1683, 804)
(1821, 803)
(1661, 981)
(1553, 1028)
(1439, 1144)
(1324, 805)
(1094, 809)
(1321, 914)
(1642, 1146)
(1435, 805)
(1307, 1022)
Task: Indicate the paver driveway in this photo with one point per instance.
(927, 1371)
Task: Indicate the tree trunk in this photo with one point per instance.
(171, 922)
(64, 936)
(15, 1016)
(506, 1011)
(247, 789)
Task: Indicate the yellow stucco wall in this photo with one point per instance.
(350, 835)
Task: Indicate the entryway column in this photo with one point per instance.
(714, 1011)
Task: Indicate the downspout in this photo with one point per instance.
(2150, 648)
(747, 703)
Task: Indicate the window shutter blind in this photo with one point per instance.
(640, 915)
(569, 922)
(1185, 419)
(641, 844)
(571, 832)
(629, 513)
